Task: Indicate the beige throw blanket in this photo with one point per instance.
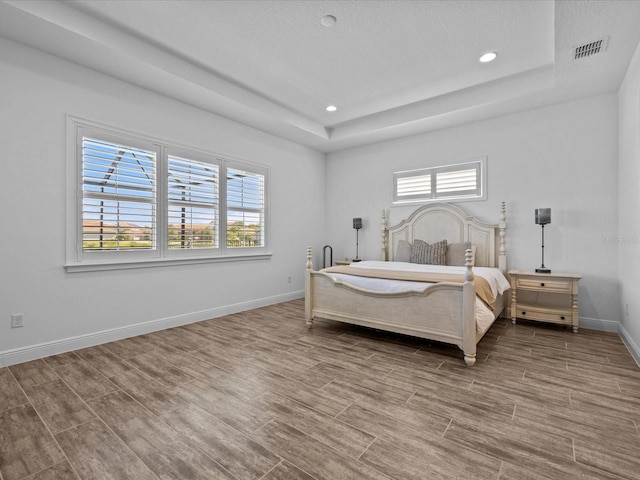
(482, 287)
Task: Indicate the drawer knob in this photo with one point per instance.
(524, 313)
(542, 284)
(562, 317)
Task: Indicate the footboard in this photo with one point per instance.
(442, 312)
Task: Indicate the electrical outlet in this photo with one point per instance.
(289, 279)
(16, 320)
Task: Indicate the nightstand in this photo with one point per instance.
(545, 297)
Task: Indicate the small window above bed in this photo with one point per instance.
(462, 181)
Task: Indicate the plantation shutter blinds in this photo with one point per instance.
(118, 197)
(193, 204)
(457, 181)
(447, 182)
(245, 208)
(412, 187)
(139, 202)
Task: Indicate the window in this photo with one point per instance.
(450, 182)
(193, 194)
(118, 197)
(245, 209)
(143, 202)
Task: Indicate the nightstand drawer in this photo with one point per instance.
(552, 284)
(528, 312)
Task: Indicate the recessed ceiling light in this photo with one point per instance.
(488, 57)
(332, 108)
(328, 21)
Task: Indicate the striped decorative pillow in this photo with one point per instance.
(431, 254)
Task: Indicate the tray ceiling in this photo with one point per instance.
(392, 68)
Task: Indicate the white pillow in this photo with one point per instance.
(403, 252)
(456, 253)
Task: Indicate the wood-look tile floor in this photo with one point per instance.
(257, 396)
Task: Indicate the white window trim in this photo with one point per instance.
(79, 261)
(433, 196)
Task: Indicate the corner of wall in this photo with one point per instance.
(631, 345)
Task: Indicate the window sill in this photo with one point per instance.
(167, 262)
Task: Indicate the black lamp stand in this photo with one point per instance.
(543, 217)
(357, 224)
(542, 268)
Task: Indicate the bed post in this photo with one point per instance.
(307, 289)
(468, 311)
(383, 236)
(502, 233)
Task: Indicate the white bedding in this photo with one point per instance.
(484, 316)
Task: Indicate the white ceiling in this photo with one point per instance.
(392, 67)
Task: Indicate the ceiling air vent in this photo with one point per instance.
(591, 48)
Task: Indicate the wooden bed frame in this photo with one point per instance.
(443, 312)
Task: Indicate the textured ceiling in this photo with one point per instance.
(392, 68)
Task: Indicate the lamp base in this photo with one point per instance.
(543, 270)
(356, 260)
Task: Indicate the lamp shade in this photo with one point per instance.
(357, 223)
(543, 216)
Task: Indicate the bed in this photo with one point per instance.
(441, 306)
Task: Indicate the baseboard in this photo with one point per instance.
(33, 352)
(599, 324)
(613, 326)
(633, 348)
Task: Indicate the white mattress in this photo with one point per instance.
(484, 315)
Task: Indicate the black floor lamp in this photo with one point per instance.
(543, 217)
(357, 224)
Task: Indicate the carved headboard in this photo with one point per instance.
(439, 221)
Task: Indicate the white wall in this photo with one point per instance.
(629, 203)
(37, 92)
(563, 157)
